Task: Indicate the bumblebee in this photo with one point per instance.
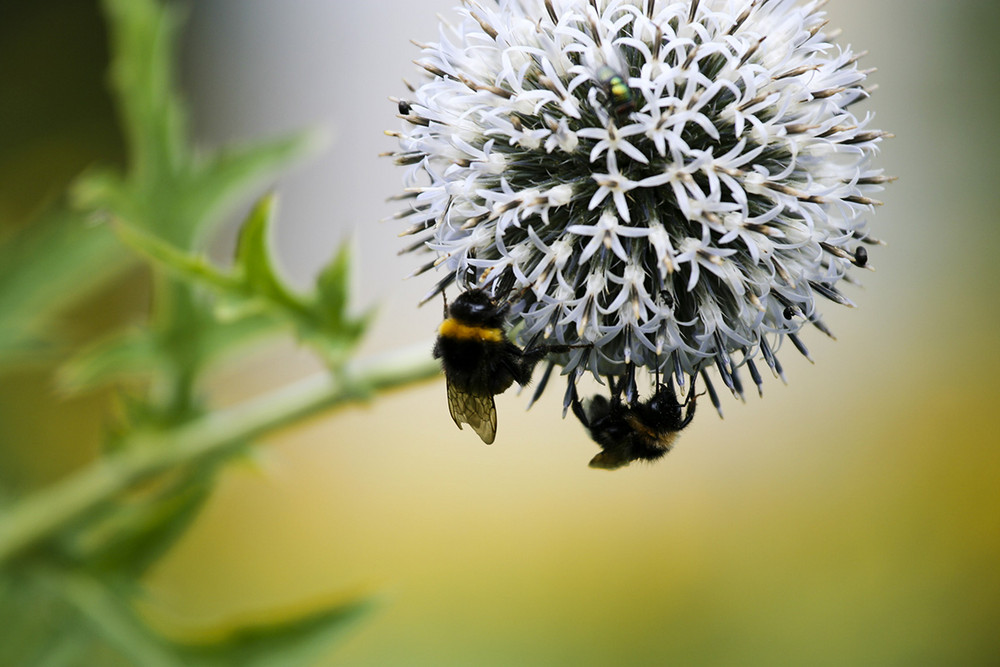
(634, 431)
(619, 95)
(479, 361)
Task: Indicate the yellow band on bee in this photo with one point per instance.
(451, 328)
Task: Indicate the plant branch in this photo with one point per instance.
(42, 515)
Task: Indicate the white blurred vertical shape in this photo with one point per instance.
(254, 69)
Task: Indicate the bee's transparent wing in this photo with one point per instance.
(609, 460)
(477, 410)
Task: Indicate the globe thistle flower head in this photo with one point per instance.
(672, 182)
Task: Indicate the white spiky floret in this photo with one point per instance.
(688, 223)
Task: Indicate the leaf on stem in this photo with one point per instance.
(254, 286)
(288, 642)
(255, 268)
(331, 302)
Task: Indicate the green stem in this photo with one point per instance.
(144, 454)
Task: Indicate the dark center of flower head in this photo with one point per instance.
(663, 180)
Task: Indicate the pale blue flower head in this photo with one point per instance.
(673, 182)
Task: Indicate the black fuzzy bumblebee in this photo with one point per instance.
(479, 361)
(642, 430)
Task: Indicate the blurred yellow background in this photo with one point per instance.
(850, 517)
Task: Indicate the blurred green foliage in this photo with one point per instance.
(73, 553)
(56, 117)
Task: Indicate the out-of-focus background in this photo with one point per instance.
(850, 517)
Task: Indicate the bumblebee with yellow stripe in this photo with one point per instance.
(479, 361)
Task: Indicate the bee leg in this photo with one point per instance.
(577, 406)
(691, 400)
(537, 352)
(530, 357)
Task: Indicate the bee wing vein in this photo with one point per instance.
(477, 410)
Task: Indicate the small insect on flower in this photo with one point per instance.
(617, 91)
(639, 430)
(479, 361)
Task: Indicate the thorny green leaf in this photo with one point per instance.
(255, 270)
(143, 38)
(332, 303)
(285, 643)
(254, 286)
(332, 286)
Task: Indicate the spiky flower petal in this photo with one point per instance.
(674, 182)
